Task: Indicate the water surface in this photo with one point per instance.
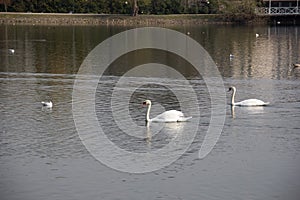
(256, 157)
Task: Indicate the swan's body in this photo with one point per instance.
(47, 104)
(167, 116)
(248, 102)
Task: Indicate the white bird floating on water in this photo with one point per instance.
(167, 116)
(47, 104)
(11, 51)
(248, 102)
(231, 56)
(257, 35)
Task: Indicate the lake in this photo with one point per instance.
(65, 152)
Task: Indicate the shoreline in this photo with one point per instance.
(120, 20)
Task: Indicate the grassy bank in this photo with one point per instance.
(103, 19)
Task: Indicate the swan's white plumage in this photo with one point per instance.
(248, 102)
(170, 116)
(251, 102)
(167, 116)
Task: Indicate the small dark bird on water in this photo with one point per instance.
(296, 65)
(48, 104)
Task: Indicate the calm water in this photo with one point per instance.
(256, 157)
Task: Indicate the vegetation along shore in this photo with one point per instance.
(135, 12)
(127, 20)
(104, 19)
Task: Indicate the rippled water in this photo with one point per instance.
(43, 157)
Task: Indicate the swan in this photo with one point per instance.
(167, 116)
(248, 102)
(47, 104)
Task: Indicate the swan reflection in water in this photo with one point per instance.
(165, 127)
(250, 110)
(46, 109)
(148, 134)
(169, 130)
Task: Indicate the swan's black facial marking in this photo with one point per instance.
(144, 103)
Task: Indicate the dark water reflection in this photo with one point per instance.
(42, 49)
(42, 156)
(61, 50)
(268, 56)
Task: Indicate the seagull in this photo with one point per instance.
(48, 104)
(11, 51)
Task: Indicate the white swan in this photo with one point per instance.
(167, 116)
(47, 104)
(248, 102)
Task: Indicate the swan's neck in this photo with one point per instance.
(232, 97)
(148, 113)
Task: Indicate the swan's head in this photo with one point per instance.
(146, 103)
(231, 88)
